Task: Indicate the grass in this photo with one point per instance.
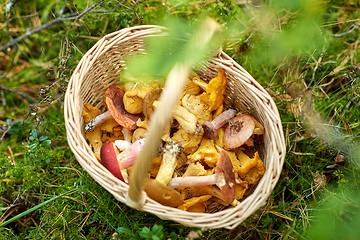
(306, 57)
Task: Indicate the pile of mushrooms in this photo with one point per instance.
(208, 154)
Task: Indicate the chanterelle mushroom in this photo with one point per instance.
(149, 99)
(187, 120)
(134, 95)
(197, 107)
(215, 90)
(223, 178)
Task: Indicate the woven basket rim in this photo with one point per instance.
(228, 218)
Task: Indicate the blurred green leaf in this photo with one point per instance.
(124, 230)
(32, 146)
(179, 44)
(45, 143)
(42, 138)
(34, 133)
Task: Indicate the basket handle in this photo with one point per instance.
(161, 117)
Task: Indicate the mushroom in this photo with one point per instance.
(149, 99)
(206, 190)
(197, 107)
(122, 144)
(206, 152)
(128, 156)
(187, 120)
(210, 128)
(168, 164)
(240, 129)
(139, 133)
(162, 193)
(109, 160)
(223, 178)
(117, 162)
(254, 173)
(194, 201)
(114, 102)
(134, 95)
(195, 169)
(191, 88)
(189, 142)
(215, 90)
(94, 136)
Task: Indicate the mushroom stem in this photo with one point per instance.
(210, 128)
(97, 121)
(223, 177)
(193, 181)
(168, 163)
(128, 156)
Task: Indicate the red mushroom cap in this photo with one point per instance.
(114, 101)
(108, 155)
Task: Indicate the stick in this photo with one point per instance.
(20, 93)
(71, 16)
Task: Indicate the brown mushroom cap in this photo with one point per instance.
(114, 101)
(149, 98)
(108, 155)
(225, 169)
(162, 193)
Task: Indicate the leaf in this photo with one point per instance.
(47, 159)
(173, 235)
(145, 233)
(124, 230)
(46, 11)
(32, 138)
(45, 143)
(42, 138)
(32, 146)
(34, 133)
(180, 43)
(157, 229)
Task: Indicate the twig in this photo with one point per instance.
(62, 9)
(8, 7)
(348, 31)
(26, 16)
(71, 16)
(19, 93)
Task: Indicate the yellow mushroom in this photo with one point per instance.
(133, 97)
(94, 136)
(191, 88)
(206, 152)
(255, 173)
(215, 91)
(197, 107)
(246, 163)
(191, 202)
(189, 142)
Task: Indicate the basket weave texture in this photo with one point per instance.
(100, 67)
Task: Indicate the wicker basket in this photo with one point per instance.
(100, 67)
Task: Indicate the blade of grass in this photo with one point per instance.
(35, 208)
